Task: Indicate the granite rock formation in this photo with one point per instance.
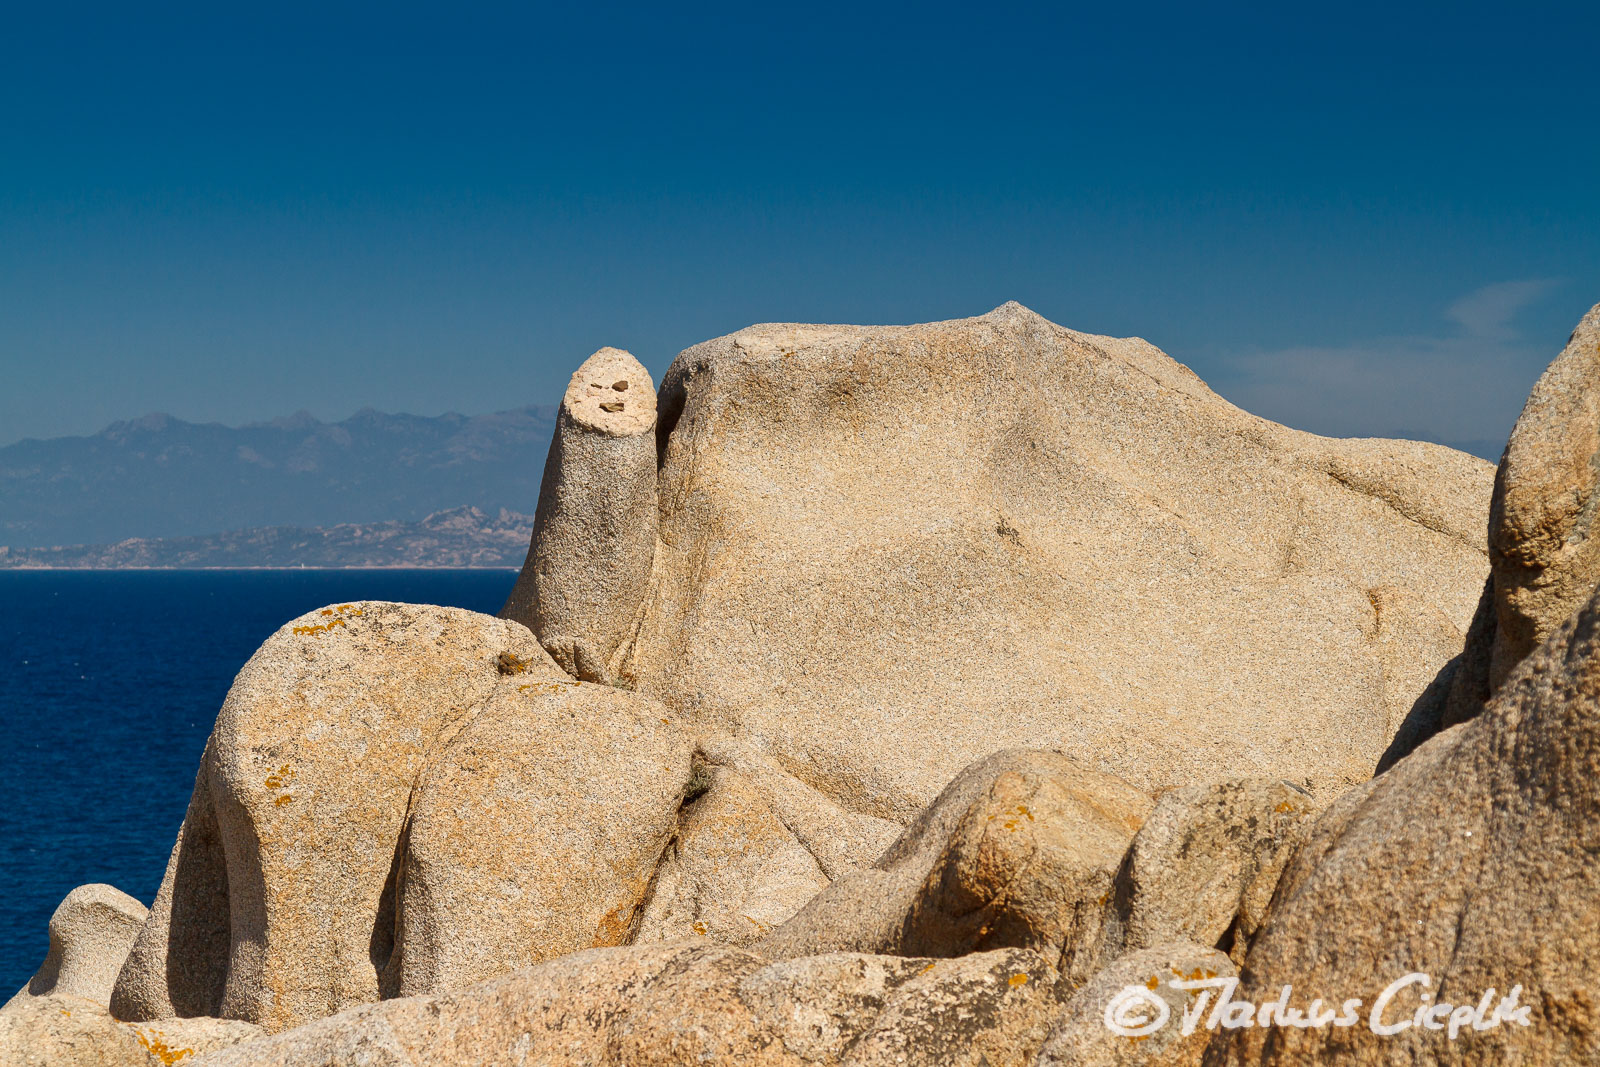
(877, 695)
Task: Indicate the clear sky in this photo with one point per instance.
(1355, 218)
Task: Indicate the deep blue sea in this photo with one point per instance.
(109, 684)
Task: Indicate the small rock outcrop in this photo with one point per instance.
(1205, 864)
(91, 932)
(734, 871)
(1019, 851)
(1473, 863)
(594, 535)
(676, 1005)
(1153, 1014)
(63, 1030)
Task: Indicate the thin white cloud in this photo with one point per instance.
(1463, 387)
(1488, 312)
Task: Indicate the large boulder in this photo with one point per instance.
(1018, 851)
(886, 552)
(272, 908)
(91, 932)
(684, 1006)
(1457, 895)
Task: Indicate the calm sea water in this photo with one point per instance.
(109, 685)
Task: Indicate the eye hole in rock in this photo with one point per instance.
(621, 387)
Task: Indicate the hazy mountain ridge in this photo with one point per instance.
(459, 537)
(159, 477)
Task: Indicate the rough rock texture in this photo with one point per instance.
(535, 832)
(1475, 861)
(594, 536)
(689, 1005)
(272, 908)
(1081, 1037)
(62, 1030)
(886, 552)
(1018, 851)
(91, 932)
(840, 840)
(1543, 562)
(733, 873)
(1203, 867)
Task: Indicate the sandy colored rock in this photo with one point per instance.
(886, 552)
(988, 1009)
(62, 1030)
(841, 841)
(1544, 561)
(1018, 851)
(1474, 861)
(1134, 984)
(535, 832)
(277, 900)
(594, 535)
(734, 871)
(666, 1006)
(91, 931)
(1204, 866)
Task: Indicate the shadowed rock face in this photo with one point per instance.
(886, 552)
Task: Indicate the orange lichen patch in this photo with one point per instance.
(1017, 980)
(545, 688)
(928, 968)
(1194, 975)
(1154, 981)
(507, 663)
(1285, 806)
(698, 927)
(335, 617)
(158, 1048)
(280, 777)
(282, 800)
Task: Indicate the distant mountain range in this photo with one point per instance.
(159, 478)
(460, 537)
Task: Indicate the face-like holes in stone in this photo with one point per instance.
(615, 405)
(621, 387)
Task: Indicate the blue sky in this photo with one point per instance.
(1358, 219)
